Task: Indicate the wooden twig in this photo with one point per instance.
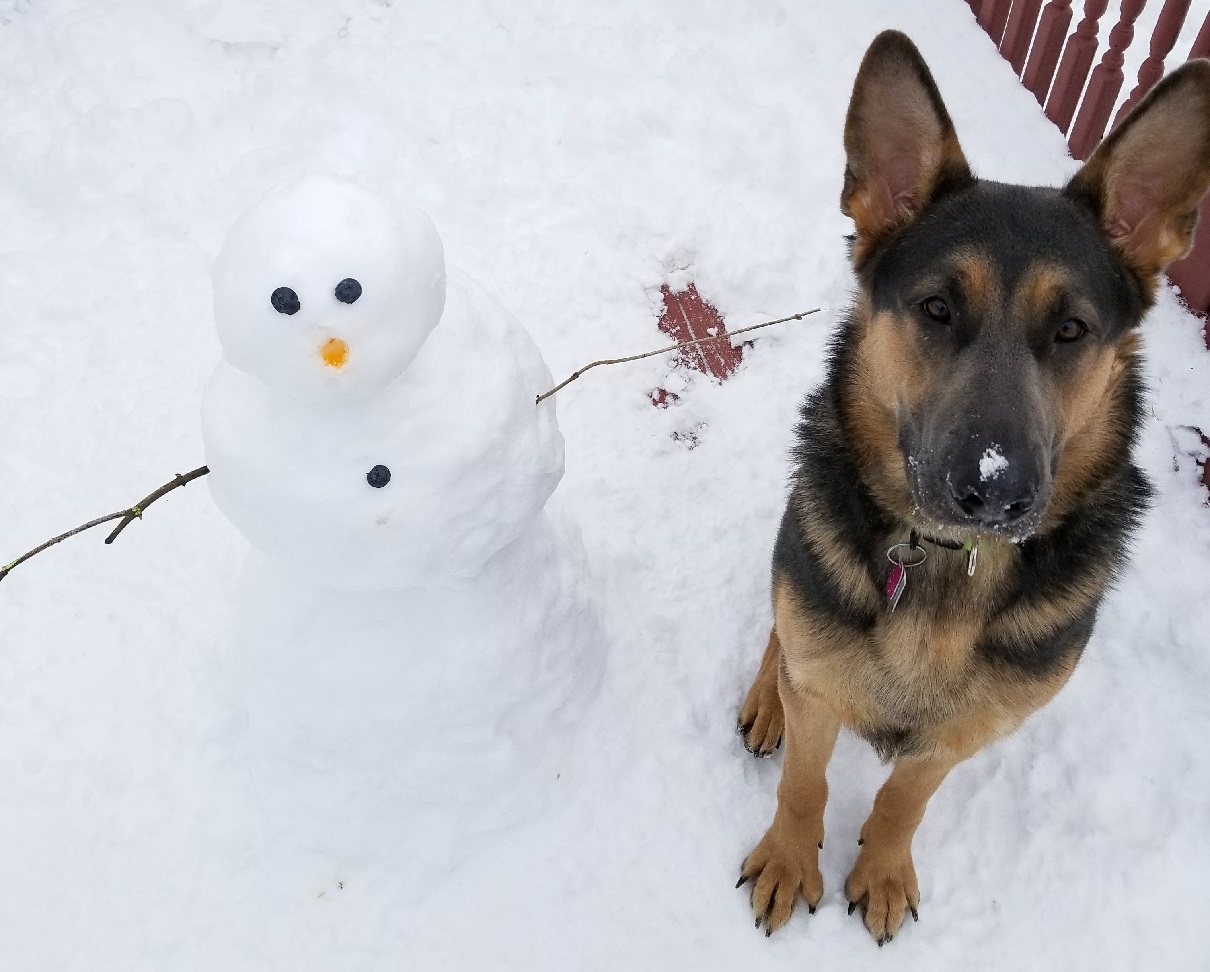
(127, 516)
(725, 336)
(136, 511)
(4, 571)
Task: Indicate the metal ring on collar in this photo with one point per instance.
(890, 555)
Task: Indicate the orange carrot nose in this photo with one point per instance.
(334, 352)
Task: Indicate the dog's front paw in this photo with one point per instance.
(761, 718)
(883, 885)
(784, 863)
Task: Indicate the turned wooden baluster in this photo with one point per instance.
(992, 17)
(1192, 274)
(1105, 83)
(1052, 29)
(1201, 43)
(1172, 17)
(1019, 32)
(1073, 69)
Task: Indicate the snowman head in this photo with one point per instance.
(326, 290)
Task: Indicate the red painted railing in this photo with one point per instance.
(1057, 67)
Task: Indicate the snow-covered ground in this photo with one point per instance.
(573, 156)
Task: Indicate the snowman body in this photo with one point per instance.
(413, 638)
(471, 460)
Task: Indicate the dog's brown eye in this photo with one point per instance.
(937, 309)
(1071, 330)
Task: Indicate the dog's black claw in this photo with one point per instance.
(778, 746)
(915, 913)
(768, 931)
(743, 727)
(742, 880)
(821, 845)
(758, 920)
(852, 906)
(860, 841)
(810, 909)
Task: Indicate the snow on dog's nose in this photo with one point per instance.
(334, 352)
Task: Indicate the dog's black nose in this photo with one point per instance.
(990, 506)
(994, 490)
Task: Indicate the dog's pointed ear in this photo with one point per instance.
(1144, 181)
(900, 145)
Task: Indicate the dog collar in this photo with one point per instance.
(904, 556)
(970, 545)
(916, 536)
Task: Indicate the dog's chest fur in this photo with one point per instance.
(914, 679)
(963, 659)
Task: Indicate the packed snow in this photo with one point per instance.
(992, 463)
(324, 291)
(574, 157)
(413, 454)
(476, 625)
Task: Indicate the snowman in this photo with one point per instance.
(413, 643)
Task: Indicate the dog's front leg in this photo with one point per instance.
(761, 722)
(786, 861)
(883, 881)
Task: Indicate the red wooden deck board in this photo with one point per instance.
(688, 317)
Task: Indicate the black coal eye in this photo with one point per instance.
(378, 477)
(348, 290)
(937, 309)
(1071, 330)
(285, 301)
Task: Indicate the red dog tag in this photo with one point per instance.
(896, 582)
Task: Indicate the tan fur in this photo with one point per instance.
(899, 142)
(915, 683)
(761, 721)
(1152, 171)
(786, 861)
(909, 672)
(980, 281)
(822, 534)
(826, 680)
(1088, 429)
(883, 880)
(890, 370)
(1041, 286)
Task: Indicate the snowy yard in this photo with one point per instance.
(573, 157)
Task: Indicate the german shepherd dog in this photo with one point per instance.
(964, 493)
